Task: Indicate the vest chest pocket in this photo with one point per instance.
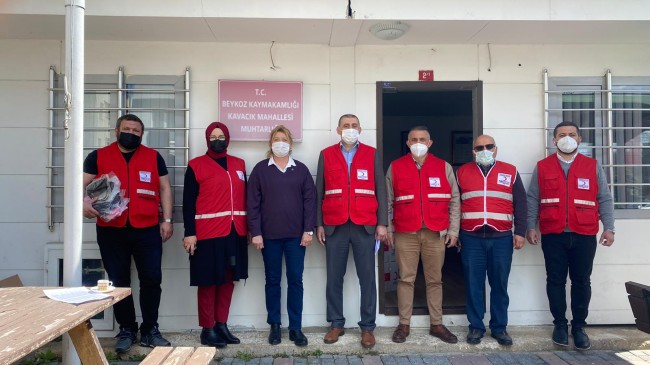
(551, 183)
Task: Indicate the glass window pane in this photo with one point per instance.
(633, 154)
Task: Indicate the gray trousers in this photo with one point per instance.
(337, 248)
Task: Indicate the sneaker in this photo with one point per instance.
(153, 338)
(125, 339)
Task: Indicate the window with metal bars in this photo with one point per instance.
(162, 102)
(613, 114)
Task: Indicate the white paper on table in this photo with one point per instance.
(74, 295)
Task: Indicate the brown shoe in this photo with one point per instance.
(367, 339)
(333, 335)
(401, 333)
(440, 331)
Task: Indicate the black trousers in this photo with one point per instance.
(571, 253)
(117, 246)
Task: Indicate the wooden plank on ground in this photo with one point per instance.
(179, 356)
(157, 356)
(202, 356)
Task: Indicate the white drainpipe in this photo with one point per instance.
(73, 179)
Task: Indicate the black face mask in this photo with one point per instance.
(218, 145)
(129, 140)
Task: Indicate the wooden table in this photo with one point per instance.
(29, 320)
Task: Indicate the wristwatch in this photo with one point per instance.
(311, 233)
(168, 221)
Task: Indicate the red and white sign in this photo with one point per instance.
(425, 75)
(251, 109)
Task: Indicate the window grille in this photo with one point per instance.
(162, 102)
(613, 114)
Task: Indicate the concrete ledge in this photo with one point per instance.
(525, 338)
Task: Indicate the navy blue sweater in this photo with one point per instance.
(280, 205)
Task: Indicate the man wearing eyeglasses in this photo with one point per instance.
(568, 194)
(493, 201)
(423, 201)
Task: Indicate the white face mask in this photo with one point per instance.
(419, 149)
(485, 158)
(567, 144)
(280, 149)
(350, 136)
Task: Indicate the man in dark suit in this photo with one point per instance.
(351, 212)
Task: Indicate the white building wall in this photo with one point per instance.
(336, 81)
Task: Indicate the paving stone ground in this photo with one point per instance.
(636, 357)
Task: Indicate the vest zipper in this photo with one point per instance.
(232, 201)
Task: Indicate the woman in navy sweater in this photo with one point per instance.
(281, 206)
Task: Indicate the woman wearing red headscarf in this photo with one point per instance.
(214, 210)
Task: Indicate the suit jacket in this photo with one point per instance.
(380, 192)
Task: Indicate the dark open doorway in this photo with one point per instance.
(453, 113)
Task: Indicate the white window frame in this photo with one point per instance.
(602, 88)
(119, 88)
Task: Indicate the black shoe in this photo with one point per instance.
(211, 338)
(275, 336)
(561, 335)
(222, 331)
(125, 339)
(474, 336)
(153, 338)
(298, 338)
(580, 338)
(503, 338)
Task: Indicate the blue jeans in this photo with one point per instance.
(574, 254)
(494, 257)
(294, 255)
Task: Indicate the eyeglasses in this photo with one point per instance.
(487, 146)
(221, 138)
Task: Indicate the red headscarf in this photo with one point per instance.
(208, 131)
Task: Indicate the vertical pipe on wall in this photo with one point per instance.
(120, 91)
(50, 152)
(610, 131)
(187, 114)
(73, 160)
(545, 76)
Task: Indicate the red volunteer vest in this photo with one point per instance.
(222, 197)
(140, 181)
(486, 200)
(420, 196)
(568, 200)
(354, 199)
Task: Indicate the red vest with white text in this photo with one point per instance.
(353, 199)
(140, 181)
(568, 200)
(420, 196)
(222, 197)
(486, 200)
